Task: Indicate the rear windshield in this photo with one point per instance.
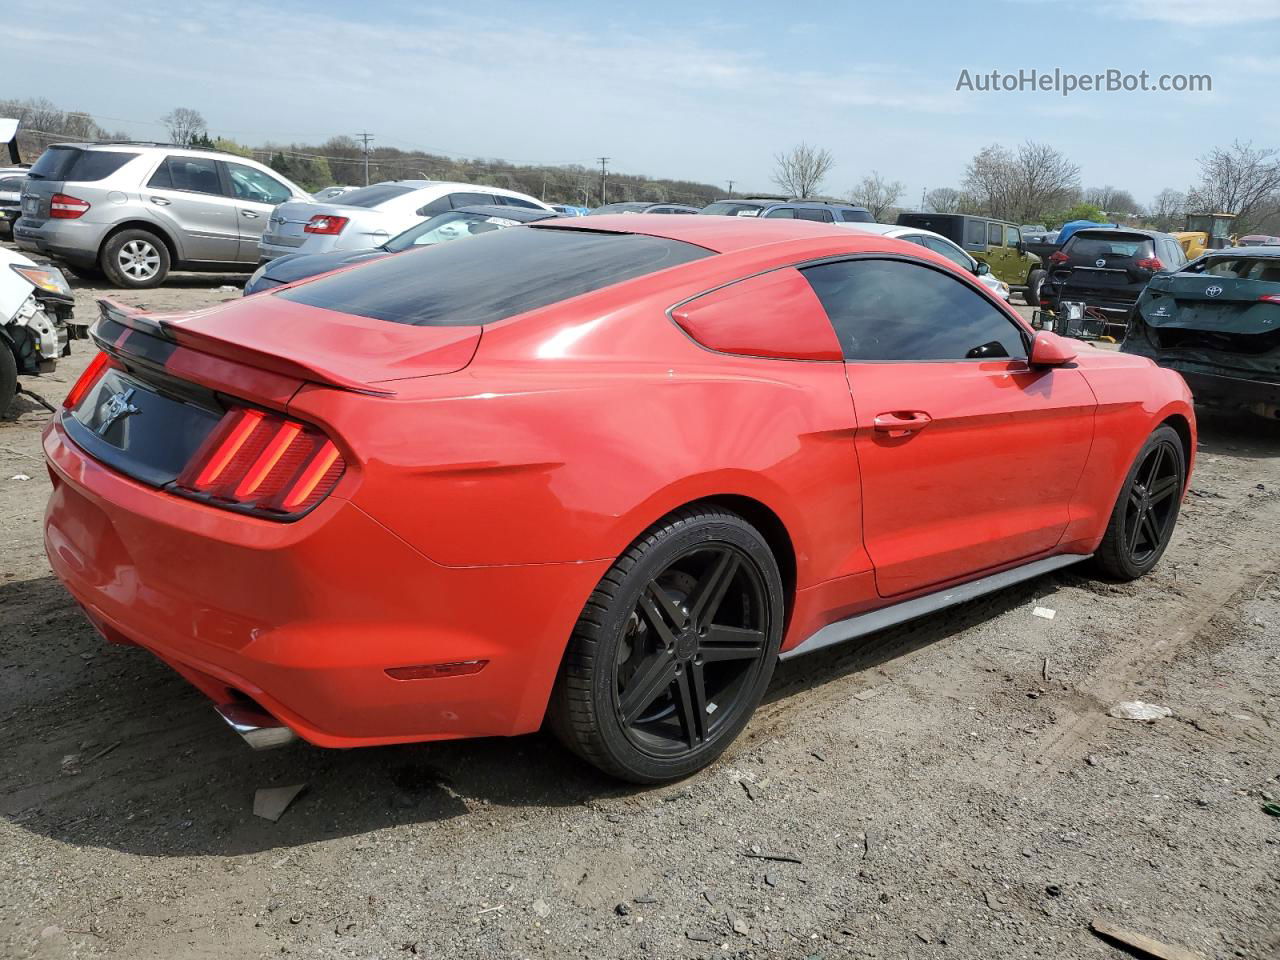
(374, 195)
(730, 208)
(1111, 245)
(1266, 269)
(491, 277)
(81, 166)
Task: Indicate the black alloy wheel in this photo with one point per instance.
(673, 650)
(1146, 512)
(694, 641)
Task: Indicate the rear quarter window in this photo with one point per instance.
(491, 277)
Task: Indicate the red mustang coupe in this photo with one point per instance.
(600, 474)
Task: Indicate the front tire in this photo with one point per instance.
(673, 650)
(1144, 516)
(135, 260)
(1035, 280)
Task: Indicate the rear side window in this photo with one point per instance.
(12, 184)
(808, 213)
(1111, 245)
(894, 311)
(975, 233)
(492, 277)
(80, 166)
(788, 213)
(857, 216)
(995, 235)
(374, 195)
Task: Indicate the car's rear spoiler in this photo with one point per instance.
(140, 321)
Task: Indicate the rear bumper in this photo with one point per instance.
(1213, 388)
(305, 618)
(71, 240)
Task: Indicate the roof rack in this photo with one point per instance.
(144, 143)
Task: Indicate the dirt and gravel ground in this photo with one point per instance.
(951, 789)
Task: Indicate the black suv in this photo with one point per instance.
(1108, 267)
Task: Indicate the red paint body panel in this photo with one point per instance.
(487, 494)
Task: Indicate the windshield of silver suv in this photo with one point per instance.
(78, 165)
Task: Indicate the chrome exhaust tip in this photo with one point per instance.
(259, 729)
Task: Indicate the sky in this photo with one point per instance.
(701, 91)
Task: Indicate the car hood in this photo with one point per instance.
(299, 266)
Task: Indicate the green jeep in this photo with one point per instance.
(997, 243)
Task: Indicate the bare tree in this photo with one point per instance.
(801, 171)
(944, 200)
(1239, 179)
(1022, 186)
(1168, 209)
(877, 194)
(184, 124)
(1111, 200)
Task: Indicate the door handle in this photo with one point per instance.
(902, 423)
(160, 201)
(249, 214)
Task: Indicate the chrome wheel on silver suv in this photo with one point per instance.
(135, 258)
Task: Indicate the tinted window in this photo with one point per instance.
(857, 216)
(250, 183)
(518, 202)
(82, 166)
(1112, 245)
(472, 199)
(193, 174)
(438, 205)
(995, 235)
(374, 195)
(493, 277)
(12, 184)
(950, 251)
(787, 212)
(730, 208)
(808, 213)
(890, 310)
(975, 232)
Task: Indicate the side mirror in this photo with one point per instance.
(1022, 247)
(1050, 350)
(982, 269)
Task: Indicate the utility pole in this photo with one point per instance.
(364, 138)
(730, 182)
(603, 173)
(924, 193)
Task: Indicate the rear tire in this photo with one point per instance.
(135, 259)
(1146, 511)
(1035, 280)
(8, 376)
(674, 649)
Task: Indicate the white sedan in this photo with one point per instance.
(938, 244)
(371, 215)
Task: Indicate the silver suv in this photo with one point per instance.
(135, 211)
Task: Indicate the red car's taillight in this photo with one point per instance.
(64, 207)
(1269, 298)
(324, 225)
(263, 462)
(1150, 263)
(92, 373)
(1058, 257)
